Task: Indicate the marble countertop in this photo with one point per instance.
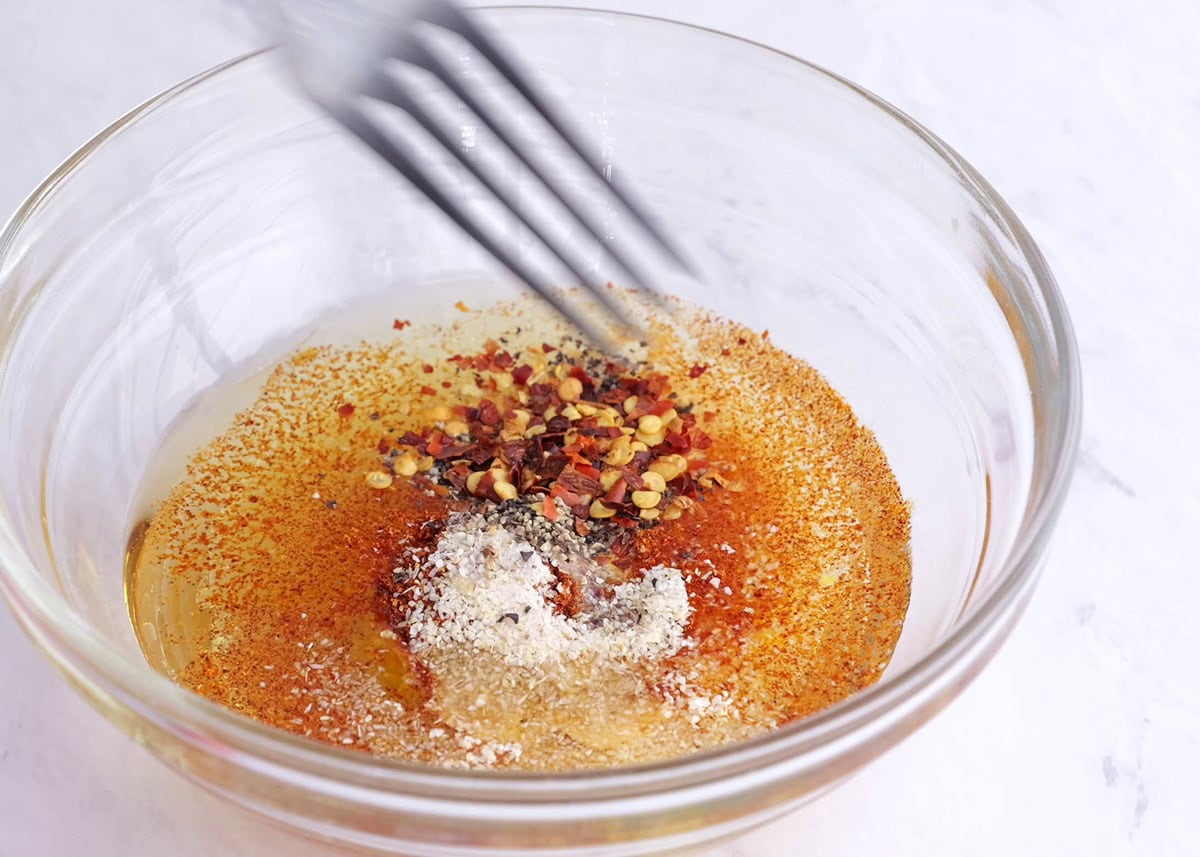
(1082, 735)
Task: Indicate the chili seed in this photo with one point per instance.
(505, 490)
(379, 479)
(650, 424)
(405, 465)
(669, 466)
(646, 499)
(654, 481)
(599, 510)
(570, 389)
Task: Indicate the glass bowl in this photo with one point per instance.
(219, 226)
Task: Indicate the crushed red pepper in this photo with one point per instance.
(607, 438)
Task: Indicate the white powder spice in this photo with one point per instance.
(487, 589)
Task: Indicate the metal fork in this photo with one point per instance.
(346, 54)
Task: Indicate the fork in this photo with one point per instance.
(346, 57)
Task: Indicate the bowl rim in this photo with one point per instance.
(820, 738)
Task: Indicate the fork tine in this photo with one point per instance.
(363, 128)
(389, 89)
(449, 16)
(417, 54)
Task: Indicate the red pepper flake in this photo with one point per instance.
(659, 408)
(400, 324)
(588, 471)
(446, 385)
(659, 385)
(599, 431)
(489, 414)
(708, 416)
(578, 480)
(622, 546)
(520, 438)
(559, 491)
(426, 390)
(427, 369)
(678, 442)
(346, 410)
(547, 348)
(697, 370)
(457, 476)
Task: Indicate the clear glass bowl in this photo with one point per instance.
(214, 229)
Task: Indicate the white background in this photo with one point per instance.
(1082, 735)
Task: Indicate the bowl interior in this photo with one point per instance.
(229, 224)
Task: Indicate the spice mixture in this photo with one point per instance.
(483, 545)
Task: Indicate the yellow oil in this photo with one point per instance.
(256, 569)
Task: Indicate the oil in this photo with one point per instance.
(255, 573)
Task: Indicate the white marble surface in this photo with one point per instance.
(1083, 736)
